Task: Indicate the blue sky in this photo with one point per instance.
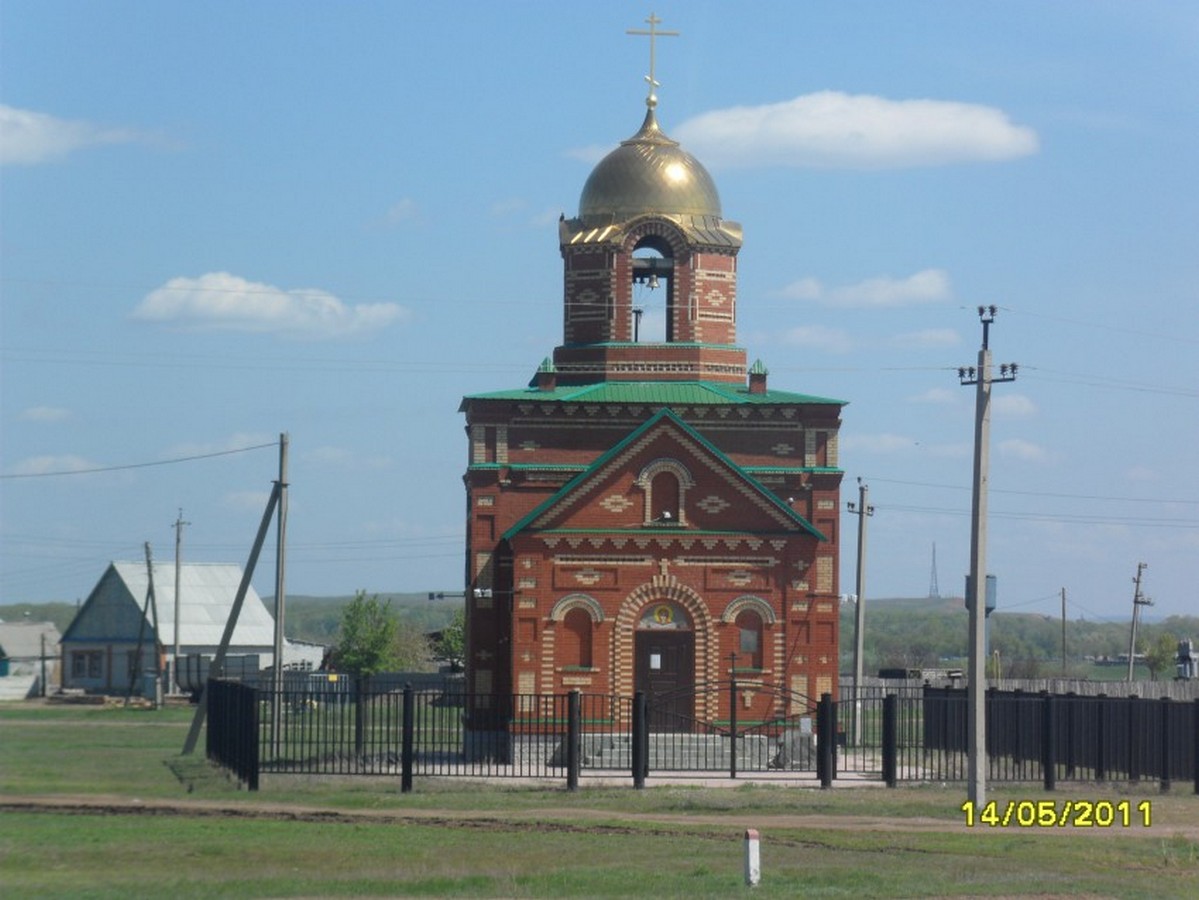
(228, 220)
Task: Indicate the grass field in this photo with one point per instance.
(98, 803)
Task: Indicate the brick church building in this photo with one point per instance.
(651, 515)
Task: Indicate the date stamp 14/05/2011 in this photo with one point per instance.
(1060, 814)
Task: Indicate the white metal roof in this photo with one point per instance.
(207, 592)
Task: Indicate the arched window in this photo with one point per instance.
(749, 647)
(576, 638)
(666, 498)
(665, 482)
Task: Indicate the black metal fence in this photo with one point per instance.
(380, 728)
(1051, 737)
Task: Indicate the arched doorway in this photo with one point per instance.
(664, 665)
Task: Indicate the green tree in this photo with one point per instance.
(452, 645)
(367, 646)
(1160, 653)
(367, 642)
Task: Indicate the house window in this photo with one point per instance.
(86, 664)
(576, 638)
(749, 649)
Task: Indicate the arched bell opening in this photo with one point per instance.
(653, 290)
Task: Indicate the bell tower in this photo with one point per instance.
(649, 214)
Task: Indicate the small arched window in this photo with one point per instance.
(666, 498)
(576, 639)
(749, 647)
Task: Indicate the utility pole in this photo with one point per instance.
(280, 566)
(934, 592)
(1063, 632)
(863, 511)
(976, 720)
(179, 523)
(1137, 602)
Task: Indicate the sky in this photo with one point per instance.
(225, 221)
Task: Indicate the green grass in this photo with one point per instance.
(454, 838)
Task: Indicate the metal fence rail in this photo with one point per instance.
(377, 727)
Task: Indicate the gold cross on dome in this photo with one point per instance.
(653, 33)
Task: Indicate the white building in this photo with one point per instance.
(100, 646)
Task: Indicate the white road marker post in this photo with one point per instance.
(753, 857)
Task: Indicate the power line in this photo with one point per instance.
(1061, 496)
(141, 465)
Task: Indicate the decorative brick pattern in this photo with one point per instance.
(616, 503)
(824, 574)
(713, 505)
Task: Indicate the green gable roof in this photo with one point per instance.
(659, 393)
(636, 433)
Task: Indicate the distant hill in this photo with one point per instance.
(909, 632)
(926, 632)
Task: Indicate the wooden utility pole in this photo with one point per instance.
(863, 511)
(1137, 602)
(179, 523)
(149, 610)
(217, 667)
(976, 720)
(280, 605)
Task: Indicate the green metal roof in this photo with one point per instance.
(658, 393)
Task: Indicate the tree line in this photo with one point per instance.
(928, 633)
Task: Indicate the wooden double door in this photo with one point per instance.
(665, 672)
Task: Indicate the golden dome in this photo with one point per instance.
(648, 173)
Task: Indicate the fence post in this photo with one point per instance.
(1101, 717)
(407, 733)
(252, 773)
(890, 739)
(640, 747)
(733, 725)
(826, 740)
(1164, 751)
(1131, 735)
(573, 730)
(1048, 741)
(1071, 708)
(1195, 743)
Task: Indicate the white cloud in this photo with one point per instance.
(925, 286)
(223, 302)
(818, 337)
(1013, 404)
(1142, 474)
(1023, 450)
(876, 443)
(28, 138)
(929, 337)
(49, 465)
(830, 129)
(402, 211)
(246, 501)
(340, 457)
(45, 414)
(235, 441)
(507, 207)
(591, 154)
(939, 396)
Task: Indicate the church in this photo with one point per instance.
(649, 513)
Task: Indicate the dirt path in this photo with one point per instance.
(732, 824)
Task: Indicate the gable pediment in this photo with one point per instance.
(664, 476)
